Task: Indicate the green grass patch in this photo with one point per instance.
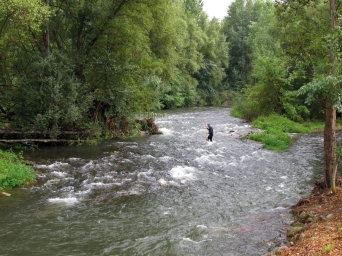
(327, 248)
(13, 171)
(276, 141)
(277, 129)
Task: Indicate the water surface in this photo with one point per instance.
(170, 194)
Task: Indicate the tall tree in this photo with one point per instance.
(330, 163)
(211, 76)
(241, 14)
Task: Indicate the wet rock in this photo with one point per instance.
(144, 133)
(329, 216)
(308, 220)
(283, 248)
(303, 201)
(322, 218)
(292, 231)
(300, 237)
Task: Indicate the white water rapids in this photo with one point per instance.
(169, 194)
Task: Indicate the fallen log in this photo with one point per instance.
(46, 132)
(41, 140)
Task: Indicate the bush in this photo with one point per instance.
(13, 171)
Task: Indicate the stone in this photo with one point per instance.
(291, 232)
(5, 194)
(329, 216)
(323, 218)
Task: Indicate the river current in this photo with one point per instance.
(169, 194)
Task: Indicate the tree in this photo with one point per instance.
(211, 75)
(330, 164)
(18, 20)
(241, 14)
(269, 89)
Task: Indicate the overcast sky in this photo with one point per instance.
(216, 8)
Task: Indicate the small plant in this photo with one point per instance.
(327, 248)
(340, 229)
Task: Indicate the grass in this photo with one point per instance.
(13, 171)
(327, 248)
(277, 130)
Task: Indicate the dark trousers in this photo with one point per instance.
(210, 137)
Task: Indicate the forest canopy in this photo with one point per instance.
(89, 67)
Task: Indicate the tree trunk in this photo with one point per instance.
(47, 33)
(330, 164)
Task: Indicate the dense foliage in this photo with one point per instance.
(288, 45)
(92, 66)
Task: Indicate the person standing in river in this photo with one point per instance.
(210, 132)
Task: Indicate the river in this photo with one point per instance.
(169, 194)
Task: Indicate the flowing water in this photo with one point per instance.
(169, 194)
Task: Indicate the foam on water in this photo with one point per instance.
(201, 226)
(205, 158)
(59, 174)
(183, 173)
(100, 184)
(166, 131)
(166, 158)
(199, 242)
(163, 182)
(74, 159)
(67, 201)
(51, 166)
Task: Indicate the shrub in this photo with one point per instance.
(13, 171)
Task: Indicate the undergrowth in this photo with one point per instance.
(277, 131)
(13, 170)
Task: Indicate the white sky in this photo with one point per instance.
(216, 8)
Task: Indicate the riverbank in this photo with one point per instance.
(317, 229)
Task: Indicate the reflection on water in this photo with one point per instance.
(170, 194)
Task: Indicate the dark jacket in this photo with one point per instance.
(211, 130)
